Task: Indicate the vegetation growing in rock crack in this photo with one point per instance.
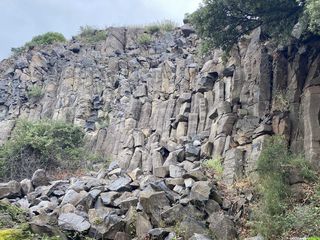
(223, 22)
(144, 39)
(162, 26)
(277, 214)
(13, 224)
(92, 35)
(280, 101)
(34, 92)
(41, 40)
(215, 164)
(42, 144)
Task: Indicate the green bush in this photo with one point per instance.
(42, 144)
(91, 35)
(41, 40)
(312, 11)
(162, 26)
(215, 164)
(167, 25)
(224, 22)
(144, 39)
(280, 101)
(275, 214)
(153, 28)
(34, 92)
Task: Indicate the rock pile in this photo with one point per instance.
(115, 204)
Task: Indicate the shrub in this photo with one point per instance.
(92, 35)
(163, 26)
(35, 92)
(167, 25)
(41, 40)
(312, 11)
(214, 164)
(280, 101)
(224, 22)
(42, 144)
(153, 28)
(144, 39)
(274, 216)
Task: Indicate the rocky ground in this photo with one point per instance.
(175, 203)
(157, 110)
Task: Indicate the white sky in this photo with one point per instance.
(20, 20)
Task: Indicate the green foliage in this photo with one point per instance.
(167, 25)
(35, 92)
(42, 144)
(214, 164)
(144, 39)
(41, 40)
(275, 215)
(91, 35)
(162, 26)
(10, 215)
(153, 28)
(223, 22)
(280, 101)
(312, 11)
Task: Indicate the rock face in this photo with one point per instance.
(157, 111)
(153, 209)
(144, 106)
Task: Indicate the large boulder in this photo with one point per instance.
(40, 178)
(222, 226)
(10, 189)
(73, 222)
(153, 204)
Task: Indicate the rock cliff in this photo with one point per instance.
(146, 105)
(162, 108)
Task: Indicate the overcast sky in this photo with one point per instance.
(20, 20)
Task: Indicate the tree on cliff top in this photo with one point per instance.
(223, 22)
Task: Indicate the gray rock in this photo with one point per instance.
(74, 197)
(109, 197)
(73, 222)
(222, 227)
(120, 184)
(158, 233)
(153, 204)
(176, 171)
(26, 186)
(187, 30)
(197, 236)
(161, 172)
(189, 226)
(10, 189)
(40, 178)
(201, 191)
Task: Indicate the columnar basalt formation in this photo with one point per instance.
(161, 104)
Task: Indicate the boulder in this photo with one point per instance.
(222, 226)
(73, 222)
(158, 233)
(109, 197)
(153, 204)
(198, 236)
(40, 178)
(201, 191)
(26, 186)
(176, 171)
(120, 184)
(10, 189)
(187, 30)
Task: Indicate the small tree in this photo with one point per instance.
(41, 40)
(223, 22)
(42, 144)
